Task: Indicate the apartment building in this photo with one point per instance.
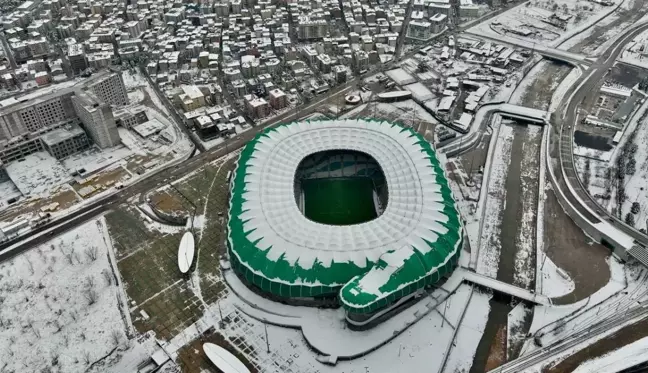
(110, 89)
(97, 118)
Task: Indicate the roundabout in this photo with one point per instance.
(358, 211)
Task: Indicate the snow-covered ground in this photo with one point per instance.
(400, 76)
(8, 190)
(532, 23)
(636, 52)
(635, 185)
(525, 242)
(554, 282)
(407, 112)
(38, 174)
(617, 360)
(514, 322)
(60, 309)
(544, 316)
(94, 159)
(489, 247)
(469, 333)
(419, 91)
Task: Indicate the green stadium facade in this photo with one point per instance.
(368, 266)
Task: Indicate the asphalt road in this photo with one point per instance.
(568, 125)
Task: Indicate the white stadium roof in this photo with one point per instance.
(420, 213)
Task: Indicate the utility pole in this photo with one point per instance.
(266, 337)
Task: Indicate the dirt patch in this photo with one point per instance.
(569, 248)
(170, 202)
(497, 352)
(65, 198)
(622, 337)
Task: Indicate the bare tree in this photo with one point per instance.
(90, 282)
(107, 276)
(116, 336)
(68, 255)
(92, 252)
(30, 265)
(30, 324)
(91, 296)
(57, 326)
(86, 357)
(77, 257)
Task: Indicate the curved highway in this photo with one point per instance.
(588, 83)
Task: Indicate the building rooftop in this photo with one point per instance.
(59, 135)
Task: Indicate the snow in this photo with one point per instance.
(46, 316)
(407, 112)
(600, 155)
(410, 349)
(554, 282)
(37, 174)
(514, 322)
(400, 76)
(8, 190)
(489, 246)
(559, 93)
(635, 52)
(635, 184)
(469, 333)
(544, 316)
(617, 360)
(530, 17)
(524, 271)
(95, 159)
(419, 91)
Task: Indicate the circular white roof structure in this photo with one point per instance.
(274, 246)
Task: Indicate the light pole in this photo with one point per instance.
(266, 338)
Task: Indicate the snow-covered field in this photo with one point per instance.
(617, 360)
(37, 174)
(554, 282)
(635, 184)
(533, 22)
(636, 52)
(94, 159)
(489, 248)
(525, 242)
(59, 304)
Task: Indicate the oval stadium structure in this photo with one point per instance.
(353, 209)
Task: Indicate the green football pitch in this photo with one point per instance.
(339, 201)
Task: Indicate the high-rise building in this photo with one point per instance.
(278, 99)
(110, 89)
(97, 118)
(77, 58)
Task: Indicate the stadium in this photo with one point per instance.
(352, 211)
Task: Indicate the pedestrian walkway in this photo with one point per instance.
(503, 287)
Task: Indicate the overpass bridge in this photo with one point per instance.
(511, 111)
(503, 287)
(574, 59)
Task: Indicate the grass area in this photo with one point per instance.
(147, 258)
(170, 201)
(339, 201)
(147, 261)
